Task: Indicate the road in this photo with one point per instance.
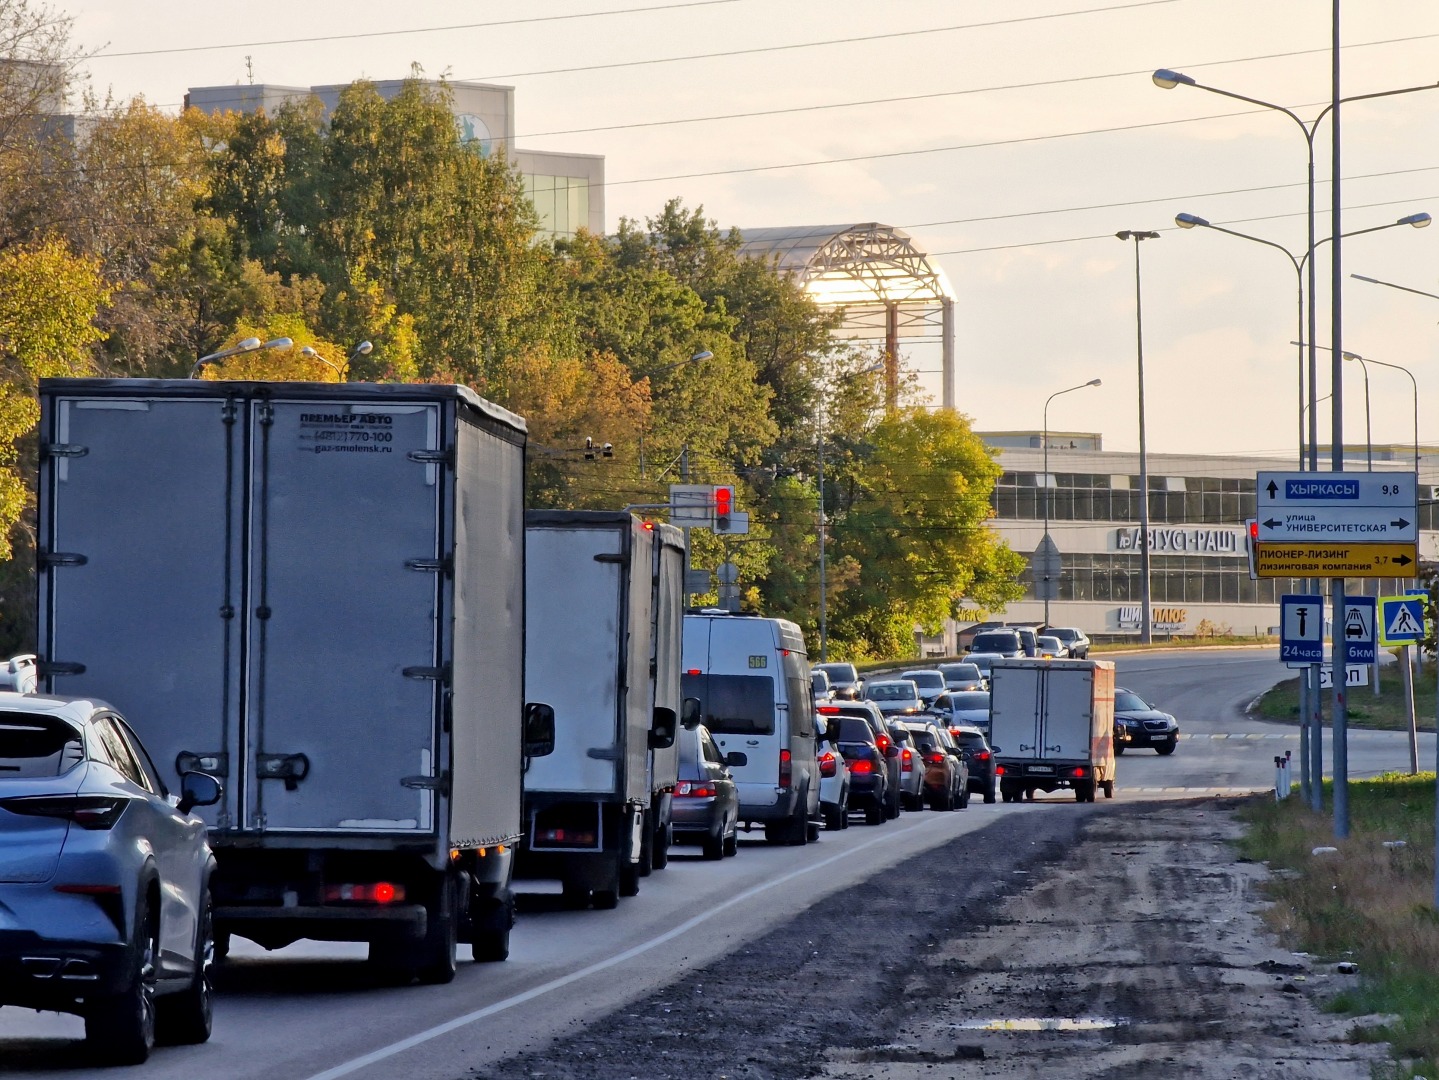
(310, 1012)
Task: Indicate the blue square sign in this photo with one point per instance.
(1301, 629)
(1358, 628)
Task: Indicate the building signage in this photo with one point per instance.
(1188, 541)
(1162, 618)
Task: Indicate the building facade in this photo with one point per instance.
(568, 190)
(1199, 566)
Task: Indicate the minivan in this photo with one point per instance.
(751, 676)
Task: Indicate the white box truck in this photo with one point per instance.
(1052, 726)
(594, 650)
(667, 612)
(315, 592)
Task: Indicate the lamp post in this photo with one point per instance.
(823, 523)
(1166, 79)
(1299, 262)
(1390, 284)
(1144, 626)
(1070, 390)
(1364, 360)
(703, 354)
(250, 344)
(1368, 424)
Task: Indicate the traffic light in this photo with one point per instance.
(724, 506)
(1251, 545)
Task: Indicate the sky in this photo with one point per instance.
(1010, 138)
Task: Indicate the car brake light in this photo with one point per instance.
(934, 759)
(379, 892)
(862, 767)
(87, 811)
(979, 755)
(827, 764)
(882, 741)
(907, 757)
(786, 769)
(828, 709)
(695, 789)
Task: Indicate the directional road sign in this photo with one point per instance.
(1337, 560)
(1358, 629)
(1401, 620)
(1339, 522)
(1301, 628)
(1291, 491)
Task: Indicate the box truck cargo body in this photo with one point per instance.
(591, 652)
(1052, 726)
(315, 592)
(667, 610)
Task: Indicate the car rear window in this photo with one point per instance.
(853, 729)
(924, 740)
(970, 699)
(839, 672)
(967, 740)
(34, 746)
(1003, 641)
(960, 671)
(734, 704)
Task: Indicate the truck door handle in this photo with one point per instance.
(291, 768)
(1053, 749)
(1023, 748)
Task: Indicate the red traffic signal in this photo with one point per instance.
(724, 505)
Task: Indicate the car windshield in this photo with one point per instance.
(889, 692)
(734, 704)
(35, 746)
(969, 700)
(960, 672)
(926, 678)
(1128, 701)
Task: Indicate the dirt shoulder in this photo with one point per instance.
(1132, 922)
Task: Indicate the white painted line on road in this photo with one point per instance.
(1128, 790)
(376, 1056)
(1242, 735)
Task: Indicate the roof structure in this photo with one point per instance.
(884, 284)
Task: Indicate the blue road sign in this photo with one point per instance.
(1401, 620)
(1301, 629)
(1358, 628)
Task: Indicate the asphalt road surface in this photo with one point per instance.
(312, 1012)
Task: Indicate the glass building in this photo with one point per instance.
(1199, 567)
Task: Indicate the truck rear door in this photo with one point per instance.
(1069, 709)
(344, 582)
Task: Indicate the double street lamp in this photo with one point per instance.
(1047, 546)
(250, 344)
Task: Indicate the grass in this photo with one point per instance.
(1367, 903)
(1387, 711)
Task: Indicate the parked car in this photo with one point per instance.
(833, 775)
(868, 769)
(963, 676)
(706, 802)
(911, 766)
(1137, 724)
(1074, 639)
(979, 757)
(895, 697)
(1004, 642)
(104, 880)
(963, 707)
(1051, 648)
(946, 776)
(844, 680)
(930, 681)
(870, 713)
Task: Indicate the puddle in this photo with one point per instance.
(1040, 1023)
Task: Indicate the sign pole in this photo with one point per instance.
(1413, 720)
(1304, 734)
(1316, 741)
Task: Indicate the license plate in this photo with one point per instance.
(1040, 769)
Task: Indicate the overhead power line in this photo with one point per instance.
(417, 30)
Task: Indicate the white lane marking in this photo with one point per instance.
(1129, 789)
(376, 1056)
(1242, 735)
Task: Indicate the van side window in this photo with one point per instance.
(735, 704)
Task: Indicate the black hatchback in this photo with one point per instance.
(868, 768)
(977, 753)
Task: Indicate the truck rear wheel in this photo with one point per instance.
(660, 846)
(439, 951)
(629, 879)
(490, 923)
(1109, 789)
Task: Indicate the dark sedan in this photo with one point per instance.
(979, 757)
(706, 802)
(1139, 724)
(868, 769)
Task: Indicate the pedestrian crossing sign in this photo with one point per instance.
(1401, 620)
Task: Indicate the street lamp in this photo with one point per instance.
(1168, 80)
(314, 354)
(1390, 284)
(1047, 542)
(1144, 626)
(250, 344)
(1366, 360)
(1190, 221)
(819, 444)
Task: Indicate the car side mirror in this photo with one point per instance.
(662, 728)
(539, 729)
(198, 789)
(891, 751)
(735, 759)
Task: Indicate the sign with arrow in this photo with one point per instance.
(1301, 629)
(1336, 524)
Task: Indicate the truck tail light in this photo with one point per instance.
(376, 892)
(999, 770)
(786, 769)
(1080, 772)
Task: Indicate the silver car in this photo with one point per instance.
(895, 697)
(104, 879)
(960, 708)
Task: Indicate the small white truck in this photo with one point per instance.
(1052, 727)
